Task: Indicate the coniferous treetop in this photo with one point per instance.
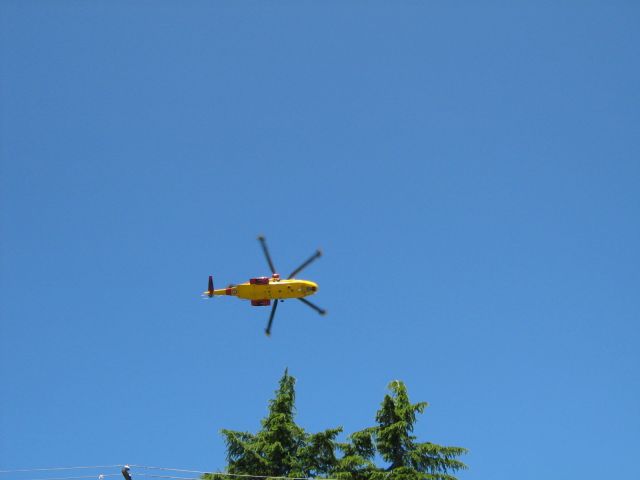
(281, 448)
(394, 441)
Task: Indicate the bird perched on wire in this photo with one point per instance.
(125, 472)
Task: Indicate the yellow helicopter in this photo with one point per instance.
(262, 290)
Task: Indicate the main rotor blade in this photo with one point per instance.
(306, 263)
(263, 243)
(321, 311)
(273, 312)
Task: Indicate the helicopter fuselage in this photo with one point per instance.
(270, 289)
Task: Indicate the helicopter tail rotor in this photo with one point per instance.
(210, 289)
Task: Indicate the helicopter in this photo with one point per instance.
(263, 290)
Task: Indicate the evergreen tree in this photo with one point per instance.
(409, 460)
(281, 448)
(357, 459)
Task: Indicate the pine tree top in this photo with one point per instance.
(281, 448)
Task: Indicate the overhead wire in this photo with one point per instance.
(147, 475)
(51, 469)
(245, 475)
(78, 477)
(181, 470)
(150, 475)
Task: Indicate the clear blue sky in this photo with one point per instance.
(472, 174)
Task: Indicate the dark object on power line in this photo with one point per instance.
(125, 472)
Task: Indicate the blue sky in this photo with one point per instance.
(471, 173)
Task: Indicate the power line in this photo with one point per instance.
(181, 470)
(149, 475)
(51, 469)
(78, 477)
(246, 475)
